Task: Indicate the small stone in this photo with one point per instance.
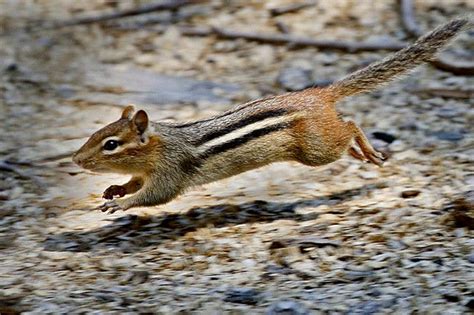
(448, 112)
(375, 292)
(295, 78)
(287, 307)
(137, 277)
(410, 193)
(451, 297)
(243, 296)
(358, 275)
(470, 258)
(384, 136)
(304, 242)
(369, 175)
(55, 255)
(105, 297)
(459, 232)
(120, 263)
(249, 263)
(461, 213)
(470, 304)
(12, 67)
(449, 135)
(369, 307)
(397, 146)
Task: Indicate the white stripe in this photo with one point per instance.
(245, 130)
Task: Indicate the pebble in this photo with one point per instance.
(137, 277)
(397, 146)
(410, 193)
(358, 275)
(369, 175)
(449, 135)
(451, 296)
(179, 258)
(448, 112)
(249, 263)
(295, 78)
(120, 263)
(368, 307)
(388, 138)
(287, 307)
(55, 255)
(470, 258)
(396, 244)
(470, 304)
(243, 296)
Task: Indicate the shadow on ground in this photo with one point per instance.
(132, 233)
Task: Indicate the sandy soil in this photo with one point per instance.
(347, 238)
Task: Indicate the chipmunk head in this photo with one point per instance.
(123, 146)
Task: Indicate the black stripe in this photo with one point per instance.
(190, 124)
(232, 144)
(239, 124)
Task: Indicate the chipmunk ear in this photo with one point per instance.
(140, 120)
(127, 112)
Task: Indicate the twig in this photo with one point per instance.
(167, 5)
(291, 8)
(283, 39)
(449, 93)
(455, 69)
(6, 167)
(407, 14)
(282, 27)
(296, 41)
(408, 20)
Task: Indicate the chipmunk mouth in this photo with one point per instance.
(96, 168)
(90, 166)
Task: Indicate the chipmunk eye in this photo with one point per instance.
(111, 145)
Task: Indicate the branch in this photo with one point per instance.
(455, 69)
(6, 167)
(293, 7)
(297, 41)
(446, 92)
(281, 39)
(408, 20)
(407, 15)
(145, 9)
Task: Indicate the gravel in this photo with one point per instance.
(285, 239)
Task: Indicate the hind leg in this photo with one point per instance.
(368, 152)
(355, 153)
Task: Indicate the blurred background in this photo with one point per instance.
(346, 238)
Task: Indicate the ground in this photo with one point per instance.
(347, 238)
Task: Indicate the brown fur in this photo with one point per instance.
(388, 69)
(304, 126)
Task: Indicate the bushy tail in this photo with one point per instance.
(381, 72)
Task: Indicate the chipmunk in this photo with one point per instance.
(166, 158)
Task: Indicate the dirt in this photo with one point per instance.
(346, 238)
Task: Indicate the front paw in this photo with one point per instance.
(114, 190)
(110, 207)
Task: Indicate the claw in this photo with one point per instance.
(377, 158)
(110, 207)
(114, 190)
